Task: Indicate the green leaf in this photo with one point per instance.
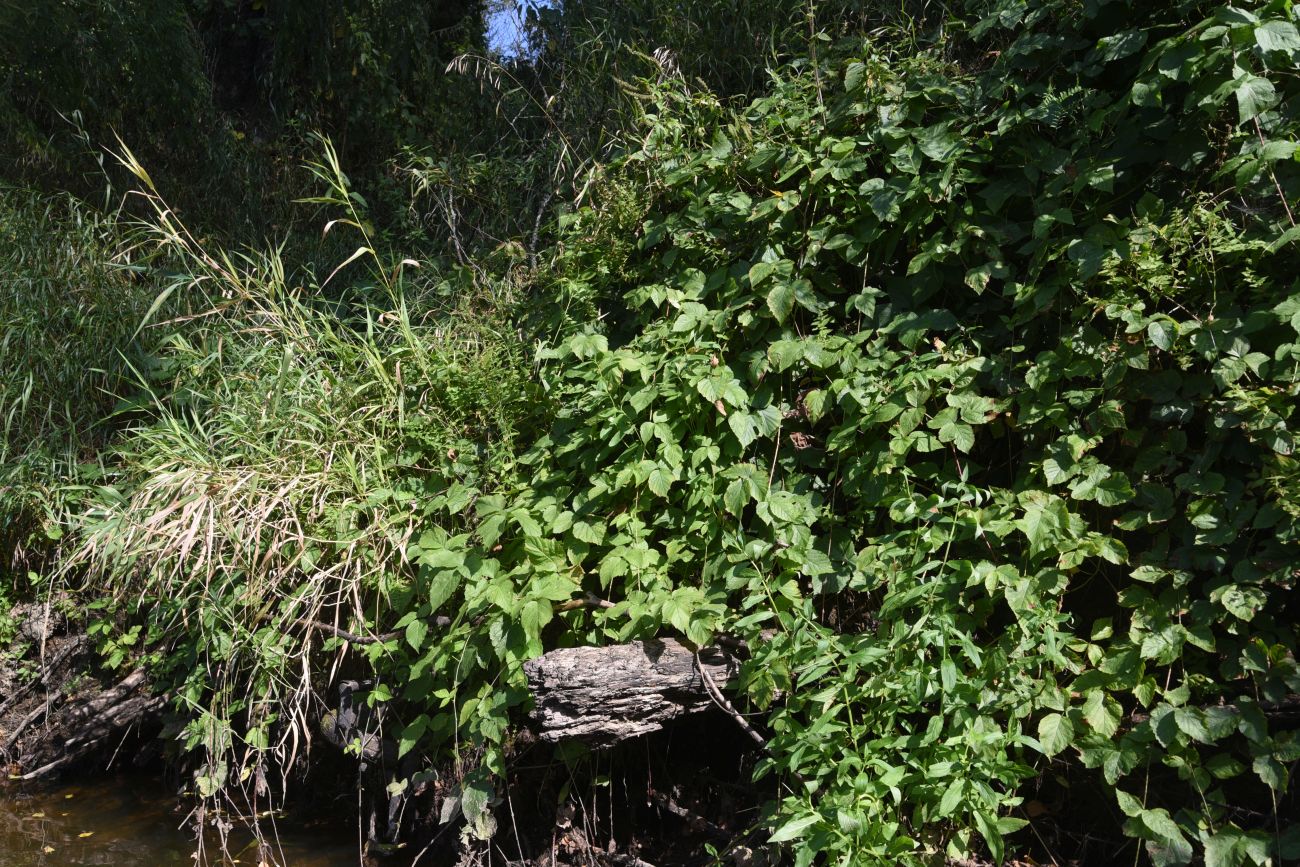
(1055, 733)
(853, 75)
(1242, 601)
(1255, 96)
(440, 588)
(1278, 36)
(1161, 334)
(1101, 713)
(760, 271)
(736, 497)
(416, 631)
(1162, 825)
(780, 300)
(742, 424)
(1191, 722)
(952, 798)
(1128, 805)
(960, 435)
(1121, 45)
(411, 734)
(794, 829)
(948, 674)
(1044, 521)
(659, 481)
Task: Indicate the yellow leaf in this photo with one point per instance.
(86, 834)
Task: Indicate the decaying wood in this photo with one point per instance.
(603, 695)
(91, 722)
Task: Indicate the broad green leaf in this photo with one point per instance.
(780, 300)
(952, 797)
(1102, 713)
(1278, 36)
(1192, 723)
(1255, 96)
(1055, 733)
(660, 480)
(1121, 45)
(1161, 334)
(416, 631)
(440, 588)
(1045, 520)
(960, 435)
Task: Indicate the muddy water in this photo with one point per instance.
(135, 822)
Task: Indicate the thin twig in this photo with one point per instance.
(721, 701)
(40, 710)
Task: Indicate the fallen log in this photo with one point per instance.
(603, 695)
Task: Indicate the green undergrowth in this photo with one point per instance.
(956, 375)
(286, 441)
(969, 372)
(68, 317)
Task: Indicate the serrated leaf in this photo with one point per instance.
(1055, 733)
(1191, 722)
(416, 631)
(1044, 521)
(1101, 713)
(1255, 96)
(742, 424)
(1162, 825)
(659, 481)
(960, 435)
(440, 588)
(780, 300)
(736, 497)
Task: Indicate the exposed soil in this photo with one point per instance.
(57, 708)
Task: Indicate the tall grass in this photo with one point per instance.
(68, 318)
(291, 429)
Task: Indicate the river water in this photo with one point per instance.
(137, 822)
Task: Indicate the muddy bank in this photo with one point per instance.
(59, 706)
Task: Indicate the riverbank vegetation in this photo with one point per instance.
(943, 358)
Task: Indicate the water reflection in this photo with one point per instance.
(134, 822)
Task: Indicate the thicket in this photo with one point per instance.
(955, 374)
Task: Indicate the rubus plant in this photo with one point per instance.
(959, 381)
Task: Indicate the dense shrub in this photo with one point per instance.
(968, 370)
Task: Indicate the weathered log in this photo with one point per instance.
(603, 695)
